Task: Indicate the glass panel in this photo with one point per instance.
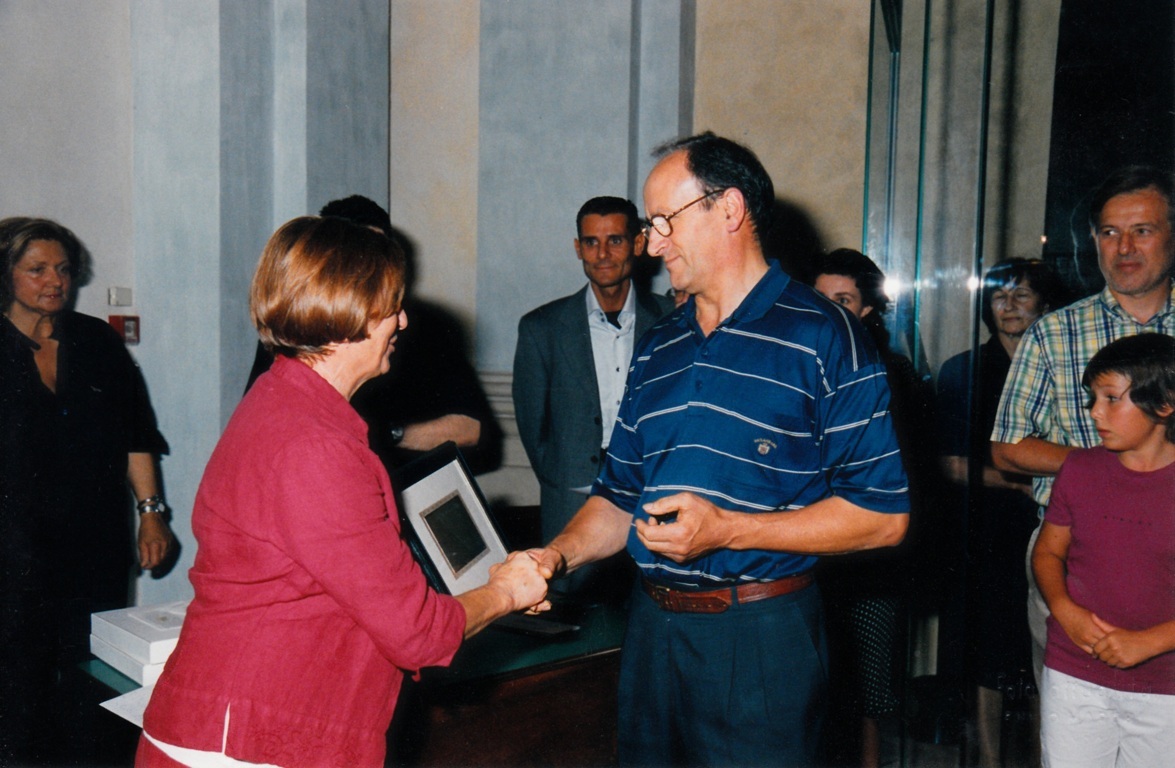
(881, 174)
(963, 147)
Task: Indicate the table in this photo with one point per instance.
(507, 699)
(511, 699)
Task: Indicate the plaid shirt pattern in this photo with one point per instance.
(1043, 396)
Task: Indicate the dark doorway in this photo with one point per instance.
(1113, 105)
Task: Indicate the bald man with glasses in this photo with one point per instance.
(754, 436)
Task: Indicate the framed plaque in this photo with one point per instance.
(448, 524)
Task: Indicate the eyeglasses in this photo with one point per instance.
(661, 223)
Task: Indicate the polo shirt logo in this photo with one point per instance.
(765, 446)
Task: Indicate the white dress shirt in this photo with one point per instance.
(612, 353)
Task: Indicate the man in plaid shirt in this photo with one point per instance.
(1042, 414)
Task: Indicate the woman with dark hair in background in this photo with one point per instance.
(77, 427)
(309, 607)
(865, 594)
(1015, 293)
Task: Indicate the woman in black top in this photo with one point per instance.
(1015, 293)
(76, 428)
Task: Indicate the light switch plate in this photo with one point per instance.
(118, 297)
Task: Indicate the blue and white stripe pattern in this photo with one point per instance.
(785, 404)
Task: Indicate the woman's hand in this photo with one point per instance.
(519, 577)
(155, 540)
(155, 537)
(516, 584)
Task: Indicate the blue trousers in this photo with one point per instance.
(744, 687)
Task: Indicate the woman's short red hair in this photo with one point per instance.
(321, 281)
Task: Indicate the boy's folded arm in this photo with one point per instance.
(1048, 565)
(1161, 638)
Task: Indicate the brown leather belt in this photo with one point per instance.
(718, 600)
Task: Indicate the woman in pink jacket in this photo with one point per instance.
(308, 605)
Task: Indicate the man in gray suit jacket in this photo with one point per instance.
(570, 365)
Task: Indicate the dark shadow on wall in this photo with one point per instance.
(644, 269)
(793, 240)
(431, 375)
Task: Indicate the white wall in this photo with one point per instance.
(172, 135)
(66, 139)
(177, 194)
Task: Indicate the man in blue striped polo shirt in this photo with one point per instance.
(754, 436)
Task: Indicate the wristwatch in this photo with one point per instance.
(152, 504)
(395, 434)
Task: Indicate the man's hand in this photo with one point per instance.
(155, 540)
(689, 527)
(598, 530)
(550, 561)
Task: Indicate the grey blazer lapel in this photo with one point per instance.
(648, 311)
(574, 342)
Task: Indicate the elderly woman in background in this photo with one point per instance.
(309, 606)
(865, 594)
(76, 427)
(1015, 293)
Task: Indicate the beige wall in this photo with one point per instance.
(1018, 189)
(790, 80)
(433, 136)
(790, 89)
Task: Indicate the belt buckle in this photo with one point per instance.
(664, 597)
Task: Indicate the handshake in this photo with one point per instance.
(681, 527)
(523, 577)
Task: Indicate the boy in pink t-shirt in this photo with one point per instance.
(1105, 563)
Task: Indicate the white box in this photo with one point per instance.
(147, 633)
(143, 674)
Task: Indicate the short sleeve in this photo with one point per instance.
(621, 479)
(859, 443)
(1027, 403)
(1060, 510)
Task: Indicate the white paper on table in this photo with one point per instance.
(130, 706)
